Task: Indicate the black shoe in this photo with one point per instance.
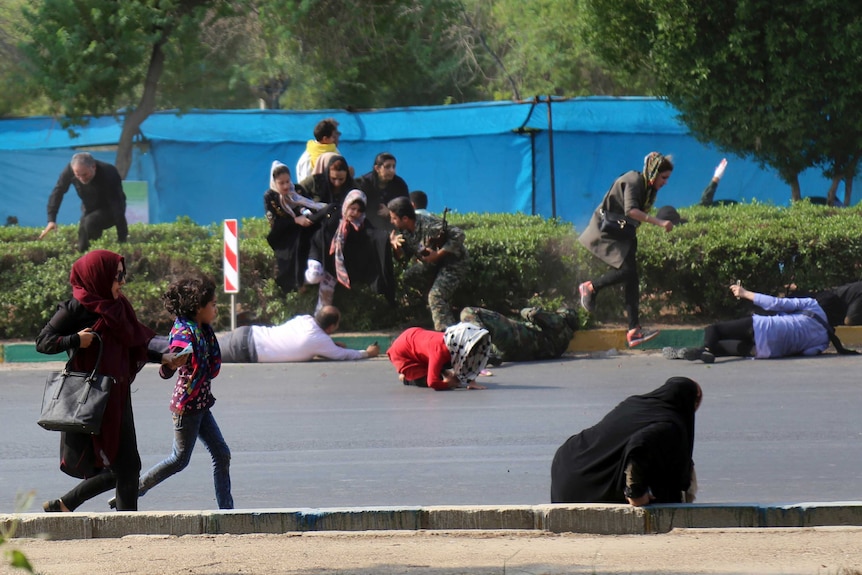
(52, 506)
(495, 360)
(571, 317)
(707, 356)
(112, 502)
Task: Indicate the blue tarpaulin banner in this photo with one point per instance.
(552, 159)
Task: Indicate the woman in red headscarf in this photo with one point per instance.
(110, 458)
(630, 198)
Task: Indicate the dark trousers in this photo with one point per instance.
(732, 337)
(628, 274)
(92, 225)
(123, 474)
(237, 346)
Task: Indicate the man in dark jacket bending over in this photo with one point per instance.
(103, 202)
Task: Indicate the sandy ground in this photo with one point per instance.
(821, 551)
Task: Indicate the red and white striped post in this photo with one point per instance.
(231, 266)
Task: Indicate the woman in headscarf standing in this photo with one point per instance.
(382, 185)
(640, 452)
(357, 254)
(441, 360)
(329, 186)
(631, 197)
(110, 458)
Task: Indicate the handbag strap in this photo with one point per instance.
(98, 358)
(833, 337)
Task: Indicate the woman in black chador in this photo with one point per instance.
(639, 453)
(290, 228)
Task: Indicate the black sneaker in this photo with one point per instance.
(571, 318)
(52, 506)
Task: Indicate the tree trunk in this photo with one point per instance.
(849, 174)
(795, 191)
(833, 188)
(145, 107)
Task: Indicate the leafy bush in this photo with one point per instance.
(517, 261)
(769, 249)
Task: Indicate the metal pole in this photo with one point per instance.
(551, 152)
(533, 170)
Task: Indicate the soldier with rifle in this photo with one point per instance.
(441, 258)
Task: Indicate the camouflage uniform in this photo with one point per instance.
(445, 277)
(541, 334)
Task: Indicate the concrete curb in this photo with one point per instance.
(591, 340)
(599, 519)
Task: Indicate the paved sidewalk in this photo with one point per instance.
(813, 551)
(536, 540)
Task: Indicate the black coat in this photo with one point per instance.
(655, 430)
(289, 241)
(367, 257)
(369, 183)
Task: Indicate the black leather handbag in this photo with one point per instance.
(616, 225)
(76, 401)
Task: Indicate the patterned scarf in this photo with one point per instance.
(469, 345)
(337, 245)
(652, 162)
(323, 162)
(193, 390)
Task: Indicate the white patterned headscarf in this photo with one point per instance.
(293, 198)
(469, 345)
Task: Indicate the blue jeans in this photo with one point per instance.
(187, 428)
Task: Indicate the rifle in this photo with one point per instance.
(438, 241)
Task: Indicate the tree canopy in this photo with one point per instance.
(771, 81)
(98, 57)
(774, 82)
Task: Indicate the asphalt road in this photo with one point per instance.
(337, 434)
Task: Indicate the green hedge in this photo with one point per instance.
(516, 260)
(769, 249)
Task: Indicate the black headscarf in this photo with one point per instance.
(833, 306)
(656, 430)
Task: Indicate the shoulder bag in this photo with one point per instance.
(616, 225)
(76, 401)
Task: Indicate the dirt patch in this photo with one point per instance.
(814, 551)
